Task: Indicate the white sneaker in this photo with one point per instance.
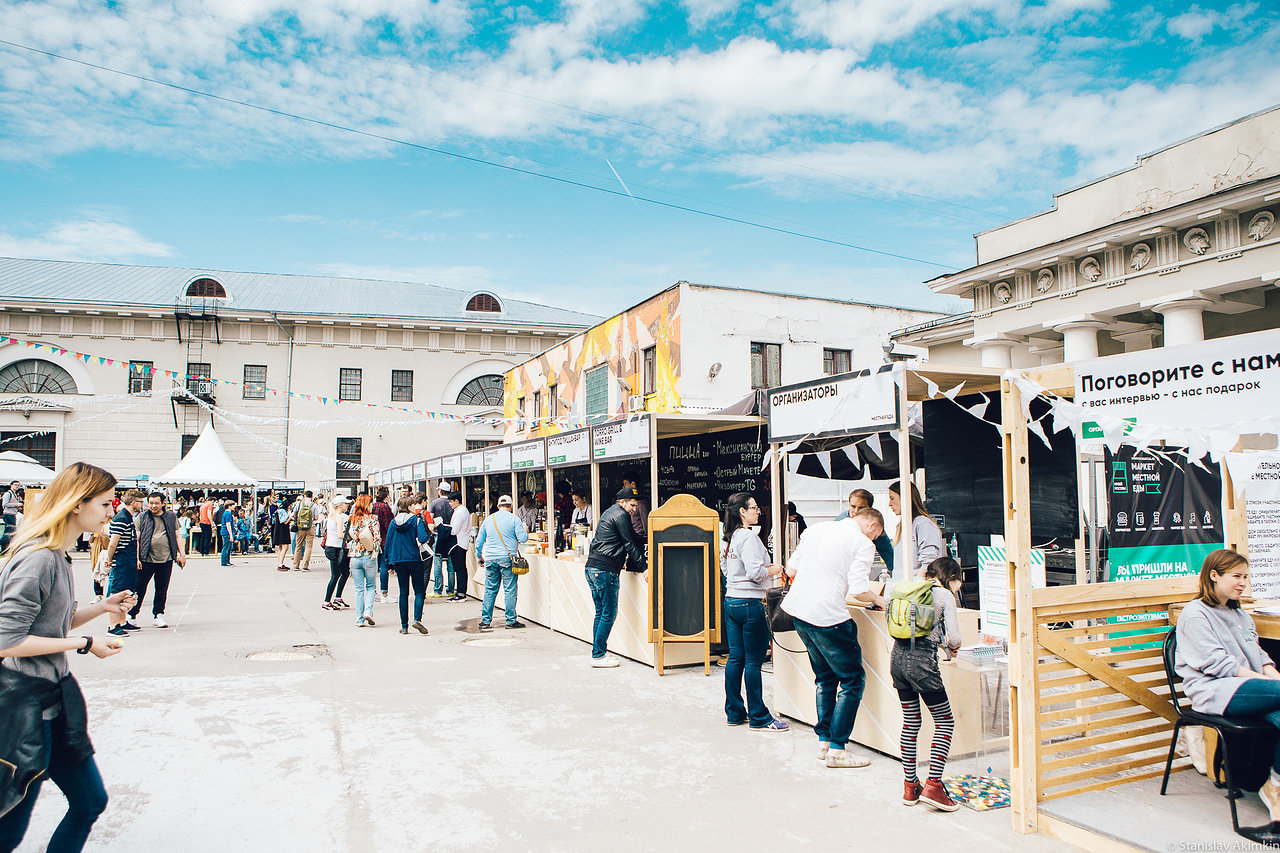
(845, 758)
(822, 752)
(1270, 794)
(605, 662)
(159, 622)
(132, 623)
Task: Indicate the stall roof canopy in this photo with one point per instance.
(19, 466)
(206, 465)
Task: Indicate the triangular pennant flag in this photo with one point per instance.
(979, 410)
(873, 444)
(1035, 429)
(824, 459)
(932, 387)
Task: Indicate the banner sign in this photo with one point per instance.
(847, 404)
(1164, 513)
(529, 455)
(1258, 476)
(472, 463)
(450, 466)
(419, 470)
(433, 469)
(569, 448)
(497, 460)
(1213, 383)
(993, 587)
(620, 440)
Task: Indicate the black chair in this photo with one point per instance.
(1226, 727)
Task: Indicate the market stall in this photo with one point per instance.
(840, 411)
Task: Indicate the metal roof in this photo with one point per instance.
(98, 284)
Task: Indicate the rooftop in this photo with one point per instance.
(73, 283)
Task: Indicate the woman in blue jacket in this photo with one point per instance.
(404, 557)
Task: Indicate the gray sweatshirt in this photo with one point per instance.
(1213, 643)
(36, 600)
(746, 565)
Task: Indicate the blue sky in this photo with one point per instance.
(903, 126)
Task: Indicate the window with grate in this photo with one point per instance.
(188, 441)
(650, 360)
(836, 361)
(349, 451)
(41, 448)
(255, 382)
(140, 373)
(597, 393)
(198, 381)
(482, 391)
(484, 302)
(349, 379)
(206, 288)
(36, 376)
(766, 365)
(402, 386)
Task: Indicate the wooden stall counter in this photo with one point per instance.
(555, 594)
(879, 722)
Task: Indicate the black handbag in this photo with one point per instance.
(779, 619)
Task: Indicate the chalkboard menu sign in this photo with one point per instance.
(713, 466)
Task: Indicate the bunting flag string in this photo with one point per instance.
(183, 381)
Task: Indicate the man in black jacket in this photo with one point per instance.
(158, 548)
(615, 546)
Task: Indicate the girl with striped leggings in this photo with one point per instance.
(913, 664)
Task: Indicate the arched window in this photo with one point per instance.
(35, 376)
(206, 288)
(485, 302)
(482, 391)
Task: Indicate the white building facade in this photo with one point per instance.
(1181, 247)
(124, 365)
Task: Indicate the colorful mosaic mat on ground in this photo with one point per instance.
(980, 793)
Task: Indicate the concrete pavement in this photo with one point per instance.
(261, 721)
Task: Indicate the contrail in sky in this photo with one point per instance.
(626, 188)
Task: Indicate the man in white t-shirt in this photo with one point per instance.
(830, 566)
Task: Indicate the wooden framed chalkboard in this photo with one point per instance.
(684, 591)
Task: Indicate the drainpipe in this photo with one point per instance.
(288, 397)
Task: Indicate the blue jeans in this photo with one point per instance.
(440, 565)
(86, 799)
(604, 592)
(226, 550)
(836, 659)
(383, 571)
(363, 570)
(747, 633)
(1258, 697)
(498, 573)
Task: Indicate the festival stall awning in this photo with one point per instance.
(206, 465)
(19, 466)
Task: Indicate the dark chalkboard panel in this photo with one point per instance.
(962, 458)
(683, 554)
(713, 466)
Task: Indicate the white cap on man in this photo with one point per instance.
(445, 487)
(505, 500)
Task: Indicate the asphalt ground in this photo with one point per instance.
(260, 721)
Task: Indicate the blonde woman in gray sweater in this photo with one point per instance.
(1223, 669)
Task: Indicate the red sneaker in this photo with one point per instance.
(911, 793)
(935, 795)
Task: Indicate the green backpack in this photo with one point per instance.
(911, 611)
(304, 516)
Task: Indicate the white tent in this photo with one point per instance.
(19, 466)
(206, 465)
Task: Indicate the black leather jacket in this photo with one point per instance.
(615, 542)
(22, 699)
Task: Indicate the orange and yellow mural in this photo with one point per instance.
(620, 343)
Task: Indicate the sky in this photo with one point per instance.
(590, 153)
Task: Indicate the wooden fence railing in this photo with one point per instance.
(1102, 711)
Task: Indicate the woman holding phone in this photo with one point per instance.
(42, 711)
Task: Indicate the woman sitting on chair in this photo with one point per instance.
(1223, 669)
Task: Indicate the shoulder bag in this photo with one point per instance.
(519, 565)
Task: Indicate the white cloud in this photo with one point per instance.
(84, 240)
(1193, 25)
